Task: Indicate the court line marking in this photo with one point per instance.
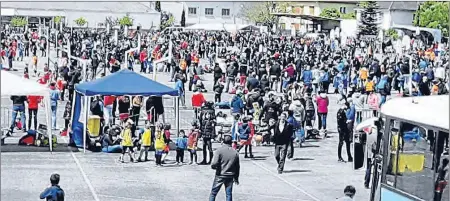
(86, 179)
(287, 182)
(188, 187)
(120, 197)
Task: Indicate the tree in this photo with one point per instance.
(183, 19)
(348, 16)
(158, 6)
(80, 21)
(57, 19)
(261, 12)
(19, 22)
(392, 33)
(330, 13)
(126, 21)
(368, 24)
(433, 14)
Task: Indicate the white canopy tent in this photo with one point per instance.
(13, 85)
(219, 27)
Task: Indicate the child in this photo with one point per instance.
(25, 72)
(160, 143)
(34, 62)
(192, 143)
(218, 90)
(146, 142)
(167, 141)
(67, 114)
(127, 141)
(181, 146)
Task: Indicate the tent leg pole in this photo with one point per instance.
(85, 122)
(177, 115)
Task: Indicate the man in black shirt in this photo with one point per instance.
(282, 137)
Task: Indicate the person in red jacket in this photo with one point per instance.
(33, 106)
(197, 101)
(143, 57)
(108, 102)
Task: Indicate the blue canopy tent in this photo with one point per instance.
(121, 83)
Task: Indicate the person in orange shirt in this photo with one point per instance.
(183, 67)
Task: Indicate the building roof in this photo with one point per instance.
(114, 7)
(399, 5)
(306, 17)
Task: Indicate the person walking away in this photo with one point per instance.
(127, 141)
(307, 78)
(343, 133)
(181, 143)
(322, 111)
(325, 80)
(146, 142)
(384, 89)
(33, 106)
(218, 90)
(191, 72)
(245, 136)
(237, 104)
(67, 115)
(359, 100)
(295, 125)
(217, 73)
(349, 193)
(227, 166)
(207, 135)
(54, 97)
(192, 143)
(315, 80)
(231, 73)
(179, 87)
(54, 192)
(281, 138)
(18, 108)
(160, 143)
(143, 59)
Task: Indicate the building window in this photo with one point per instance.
(225, 12)
(283, 26)
(299, 10)
(343, 10)
(192, 11)
(209, 11)
(311, 10)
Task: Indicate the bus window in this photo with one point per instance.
(414, 162)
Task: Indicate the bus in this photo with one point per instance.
(412, 150)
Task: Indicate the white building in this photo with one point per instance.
(93, 12)
(203, 12)
(312, 8)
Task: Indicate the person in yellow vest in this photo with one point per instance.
(160, 144)
(127, 141)
(370, 86)
(146, 142)
(363, 75)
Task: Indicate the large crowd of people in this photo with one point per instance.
(279, 86)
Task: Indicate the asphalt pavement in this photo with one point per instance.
(313, 175)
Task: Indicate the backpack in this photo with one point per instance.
(341, 116)
(244, 131)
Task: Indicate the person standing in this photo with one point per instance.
(54, 97)
(207, 135)
(54, 192)
(226, 164)
(33, 106)
(343, 133)
(18, 108)
(282, 137)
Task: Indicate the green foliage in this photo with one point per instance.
(261, 12)
(169, 22)
(334, 14)
(19, 22)
(433, 14)
(126, 21)
(348, 16)
(183, 19)
(57, 19)
(81, 21)
(392, 33)
(369, 18)
(330, 13)
(158, 6)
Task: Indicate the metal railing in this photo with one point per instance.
(6, 117)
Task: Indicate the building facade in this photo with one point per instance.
(395, 13)
(312, 8)
(95, 13)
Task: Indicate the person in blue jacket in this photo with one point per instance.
(237, 104)
(350, 114)
(54, 192)
(179, 86)
(307, 77)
